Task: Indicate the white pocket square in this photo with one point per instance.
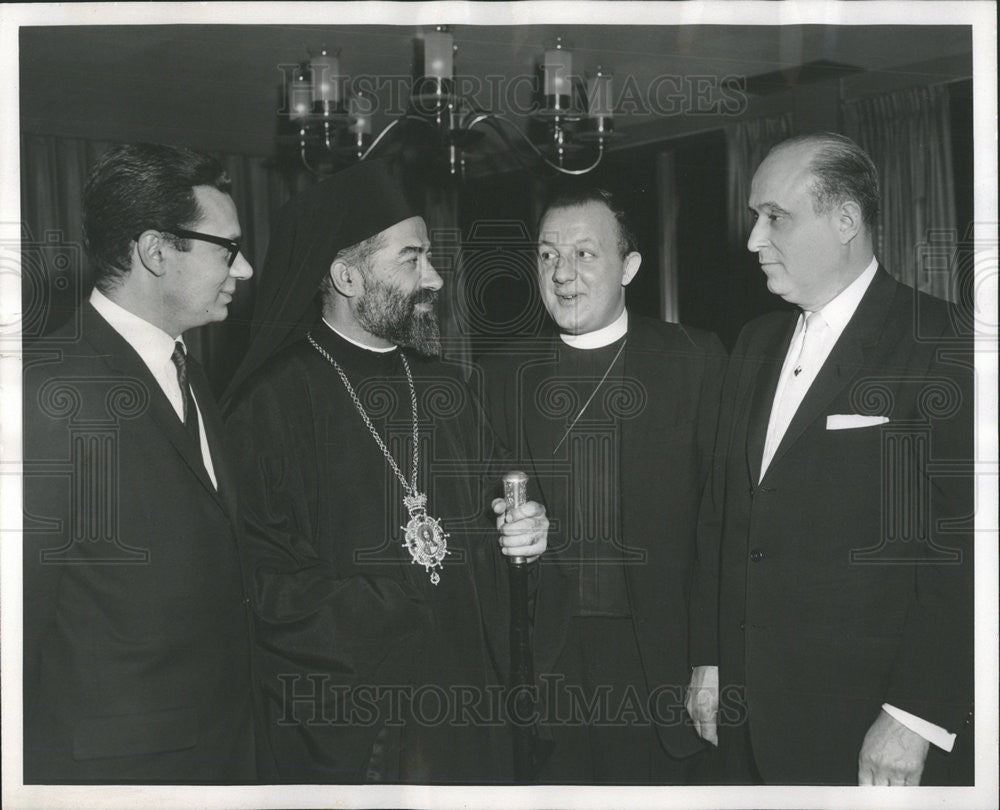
(849, 421)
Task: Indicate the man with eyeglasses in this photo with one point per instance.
(136, 631)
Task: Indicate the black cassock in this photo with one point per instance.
(368, 671)
(622, 488)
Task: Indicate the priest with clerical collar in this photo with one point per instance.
(615, 425)
(367, 469)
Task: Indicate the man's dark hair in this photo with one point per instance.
(139, 187)
(573, 196)
(843, 171)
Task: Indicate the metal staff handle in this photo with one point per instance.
(515, 493)
(522, 676)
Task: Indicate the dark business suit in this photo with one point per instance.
(665, 405)
(843, 578)
(136, 632)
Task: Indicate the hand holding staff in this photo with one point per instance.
(523, 525)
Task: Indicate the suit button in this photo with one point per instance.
(743, 625)
(756, 555)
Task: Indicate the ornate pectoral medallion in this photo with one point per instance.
(426, 541)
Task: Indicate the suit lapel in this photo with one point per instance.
(765, 383)
(850, 355)
(644, 362)
(121, 357)
(645, 365)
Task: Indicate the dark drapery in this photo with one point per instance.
(747, 144)
(908, 135)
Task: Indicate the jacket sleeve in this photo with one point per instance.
(704, 611)
(932, 675)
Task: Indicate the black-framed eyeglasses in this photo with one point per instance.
(229, 244)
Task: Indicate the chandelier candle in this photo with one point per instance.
(325, 75)
(438, 54)
(558, 72)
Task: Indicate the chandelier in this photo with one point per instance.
(571, 118)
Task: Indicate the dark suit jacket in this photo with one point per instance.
(136, 631)
(843, 578)
(668, 408)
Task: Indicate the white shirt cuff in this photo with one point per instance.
(933, 734)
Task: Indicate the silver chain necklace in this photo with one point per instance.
(426, 540)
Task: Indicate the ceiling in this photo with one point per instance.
(218, 87)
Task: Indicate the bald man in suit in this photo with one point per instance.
(833, 601)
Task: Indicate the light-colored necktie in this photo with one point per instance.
(794, 384)
(812, 343)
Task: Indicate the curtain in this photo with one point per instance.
(55, 276)
(747, 143)
(908, 135)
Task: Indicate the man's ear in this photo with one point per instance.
(849, 221)
(347, 280)
(630, 267)
(149, 249)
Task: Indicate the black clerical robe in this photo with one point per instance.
(622, 489)
(370, 671)
(591, 498)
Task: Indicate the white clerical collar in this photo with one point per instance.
(599, 337)
(150, 342)
(360, 345)
(841, 309)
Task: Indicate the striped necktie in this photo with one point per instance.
(190, 411)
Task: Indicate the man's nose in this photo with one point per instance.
(563, 269)
(758, 237)
(429, 279)
(241, 269)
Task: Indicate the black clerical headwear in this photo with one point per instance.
(311, 229)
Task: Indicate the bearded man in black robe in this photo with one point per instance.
(381, 595)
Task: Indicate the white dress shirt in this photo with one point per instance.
(155, 347)
(788, 396)
(792, 387)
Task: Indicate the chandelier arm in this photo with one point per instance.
(379, 137)
(591, 167)
(389, 126)
(305, 161)
(494, 120)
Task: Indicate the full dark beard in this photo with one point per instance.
(388, 313)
